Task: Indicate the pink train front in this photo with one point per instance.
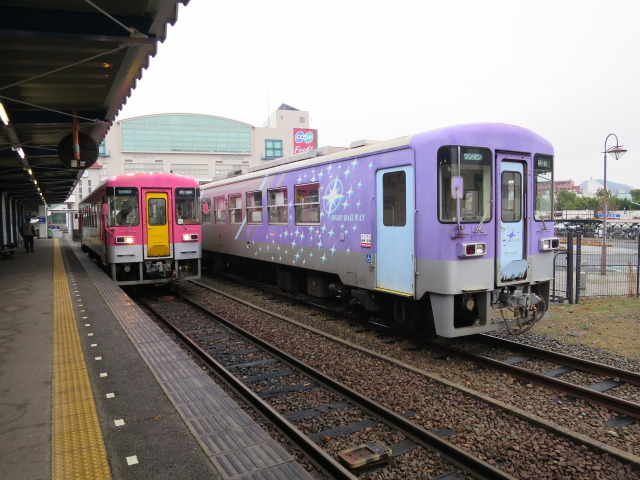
(144, 227)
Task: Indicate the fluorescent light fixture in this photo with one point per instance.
(20, 152)
(3, 114)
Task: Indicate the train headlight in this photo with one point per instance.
(190, 237)
(126, 240)
(546, 244)
(473, 249)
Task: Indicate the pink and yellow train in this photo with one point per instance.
(144, 227)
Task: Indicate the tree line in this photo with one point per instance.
(566, 200)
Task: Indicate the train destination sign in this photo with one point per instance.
(544, 163)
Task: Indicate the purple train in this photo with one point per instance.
(433, 232)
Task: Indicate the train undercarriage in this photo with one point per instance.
(516, 308)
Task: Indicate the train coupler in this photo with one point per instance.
(157, 269)
(518, 299)
(524, 305)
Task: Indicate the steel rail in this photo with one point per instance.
(625, 376)
(615, 404)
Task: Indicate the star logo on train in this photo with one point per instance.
(333, 195)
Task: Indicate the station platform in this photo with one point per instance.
(91, 388)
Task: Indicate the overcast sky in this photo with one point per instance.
(566, 69)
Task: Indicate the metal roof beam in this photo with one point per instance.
(75, 23)
(84, 37)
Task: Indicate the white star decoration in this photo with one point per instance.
(333, 197)
(335, 192)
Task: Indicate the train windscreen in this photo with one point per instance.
(123, 206)
(544, 187)
(473, 167)
(187, 206)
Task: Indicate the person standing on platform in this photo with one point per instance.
(28, 232)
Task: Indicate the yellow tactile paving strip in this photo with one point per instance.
(77, 447)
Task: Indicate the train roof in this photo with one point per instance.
(311, 158)
(467, 134)
(155, 178)
(141, 180)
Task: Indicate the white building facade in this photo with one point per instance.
(204, 147)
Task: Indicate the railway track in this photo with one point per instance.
(514, 365)
(516, 356)
(272, 302)
(252, 367)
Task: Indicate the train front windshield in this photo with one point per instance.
(123, 205)
(473, 165)
(188, 206)
(544, 188)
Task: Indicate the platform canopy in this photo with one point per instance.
(66, 69)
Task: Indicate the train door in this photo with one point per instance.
(511, 256)
(157, 220)
(395, 230)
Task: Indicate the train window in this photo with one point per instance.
(235, 208)
(254, 207)
(157, 211)
(219, 211)
(206, 217)
(188, 206)
(394, 191)
(307, 204)
(543, 187)
(123, 206)
(277, 205)
(511, 197)
(474, 166)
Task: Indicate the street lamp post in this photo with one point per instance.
(616, 152)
